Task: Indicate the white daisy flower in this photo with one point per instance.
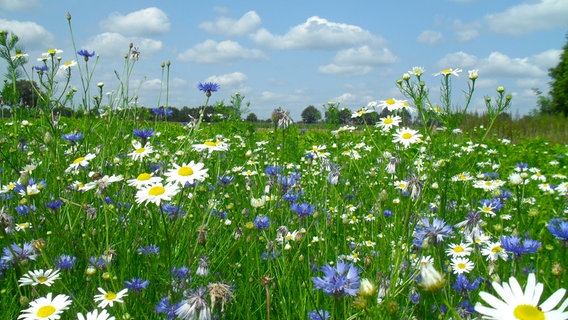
(81, 162)
(36, 277)
(513, 303)
(109, 298)
(95, 315)
(406, 136)
(156, 193)
(459, 250)
(47, 308)
(461, 265)
(140, 152)
(187, 173)
(211, 146)
(143, 179)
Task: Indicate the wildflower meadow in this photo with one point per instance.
(107, 213)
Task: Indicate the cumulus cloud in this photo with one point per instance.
(229, 79)
(498, 64)
(31, 34)
(456, 60)
(359, 60)
(15, 5)
(232, 27)
(465, 32)
(146, 22)
(528, 17)
(430, 37)
(211, 51)
(315, 33)
(115, 44)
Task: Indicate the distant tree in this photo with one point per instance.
(251, 117)
(344, 116)
(311, 115)
(543, 102)
(26, 94)
(559, 84)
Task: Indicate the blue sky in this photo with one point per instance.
(292, 54)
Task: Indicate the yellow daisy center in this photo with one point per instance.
(446, 71)
(406, 135)
(496, 249)
(140, 150)
(68, 63)
(45, 311)
(388, 121)
(156, 191)
(461, 265)
(390, 101)
(211, 143)
(41, 279)
(185, 171)
(80, 159)
(52, 51)
(144, 176)
(528, 312)
(110, 295)
(458, 249)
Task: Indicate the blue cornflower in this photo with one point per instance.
(291, 196)
(318, 315)
(261, 222)
(149, 250)
(286, 182)
(387, 213)
(272, 170)
(144, 134)
(40, 69)
(14, 253)
(86, 54)
(514, 245)
(65, 262)
(303, 209)
(53, 205)
(180, 272)
(559, 228)
(225, 180)
(208, 87)
(463, 286)
(172, 210)
(338, 281)
(162, 112)
(136, 284)
(98, 263)
(168, 309)
(431, 233)
(24, 209)
(72, 137)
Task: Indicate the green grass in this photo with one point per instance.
(348, 220)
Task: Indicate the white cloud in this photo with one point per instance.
(31, 34)
(211, 51)
(231, 27)
(430, 37)
(465, 32)
(456, 60)
(145, 22)
(498, 64)
(15, 5)
(315, 33)
(229, 79)
(115, 44)
(529, 16)
(359, 60)
(547, 59)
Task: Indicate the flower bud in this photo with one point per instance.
(500, 89)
